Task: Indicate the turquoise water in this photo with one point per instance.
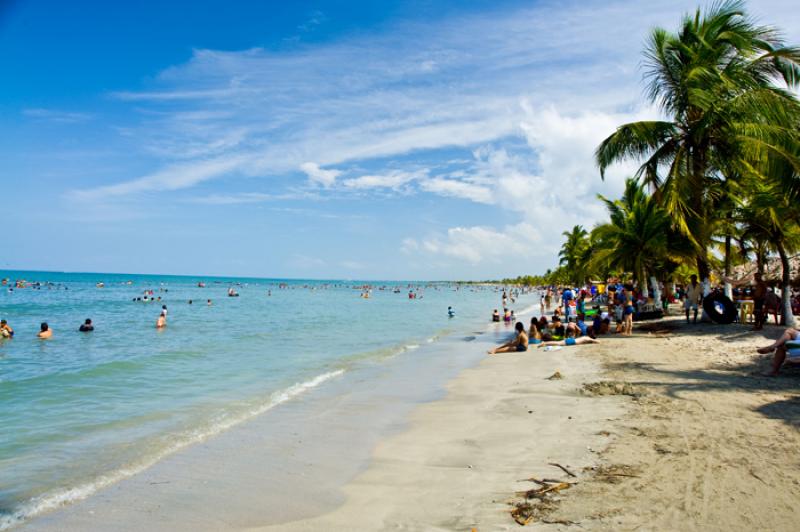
(83, 410)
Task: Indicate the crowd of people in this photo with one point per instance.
(569, 326)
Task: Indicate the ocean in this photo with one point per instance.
(82, 411)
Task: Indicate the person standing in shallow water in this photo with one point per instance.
(5, 330)
(86, 326)
(45, 332)
(161, 322)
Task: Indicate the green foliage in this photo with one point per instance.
(723, 168)
(716, 78)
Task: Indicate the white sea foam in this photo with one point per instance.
(411, 346)
(57, 498)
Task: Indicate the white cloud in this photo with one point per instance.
(315, 174)
(54, 115)
(458, 189)
(481, 244)
(173, 177)
(551, 188)
(530, 90)
(391, 180)
(380, 95)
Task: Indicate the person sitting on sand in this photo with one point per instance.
(779, 346)
(580, 323)
(519, 343)
(597, 325)
(534, 336)
(556, 327)
(45, 331)
(86, 326)
(161, 322)
(571, 340)
(5, 330)
(544, 329)
(495, 316)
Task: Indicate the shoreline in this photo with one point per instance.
(462, 458)
(691, 438)
(350, 414)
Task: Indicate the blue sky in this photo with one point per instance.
(383, 140)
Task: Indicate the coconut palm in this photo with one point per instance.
(716, 80)
(572, 252)
(771, 217)
(637, 239)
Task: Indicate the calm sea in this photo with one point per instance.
(83, 410)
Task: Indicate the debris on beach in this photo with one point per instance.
(538, 503)
(557, 376)
(611, 388)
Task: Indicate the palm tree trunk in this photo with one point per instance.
(728, 286)
(786, 291)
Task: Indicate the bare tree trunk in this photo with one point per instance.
(787, 316)
(656, 291)
(728, 286)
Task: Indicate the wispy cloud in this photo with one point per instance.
(55, 115)
(391, 180)
(318, 175)
(386, 95)
(528, 91)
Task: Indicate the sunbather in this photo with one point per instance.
(781, 349)
(571, 340)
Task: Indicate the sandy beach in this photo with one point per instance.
(698, 441)
(682, 433)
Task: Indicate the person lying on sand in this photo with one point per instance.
(571, 340)
(519, 343)
(780, 348)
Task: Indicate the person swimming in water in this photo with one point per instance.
(45, 332)
(495, 315)
(518, 344)
(450, 312)
(161, 322)
(86, 326)
(5, 330)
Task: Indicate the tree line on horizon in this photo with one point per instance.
(719, 180)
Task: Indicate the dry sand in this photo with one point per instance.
(712, 444)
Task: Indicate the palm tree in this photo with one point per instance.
(571, 253)
(637, 239)
(771, 218)
(715, 78)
